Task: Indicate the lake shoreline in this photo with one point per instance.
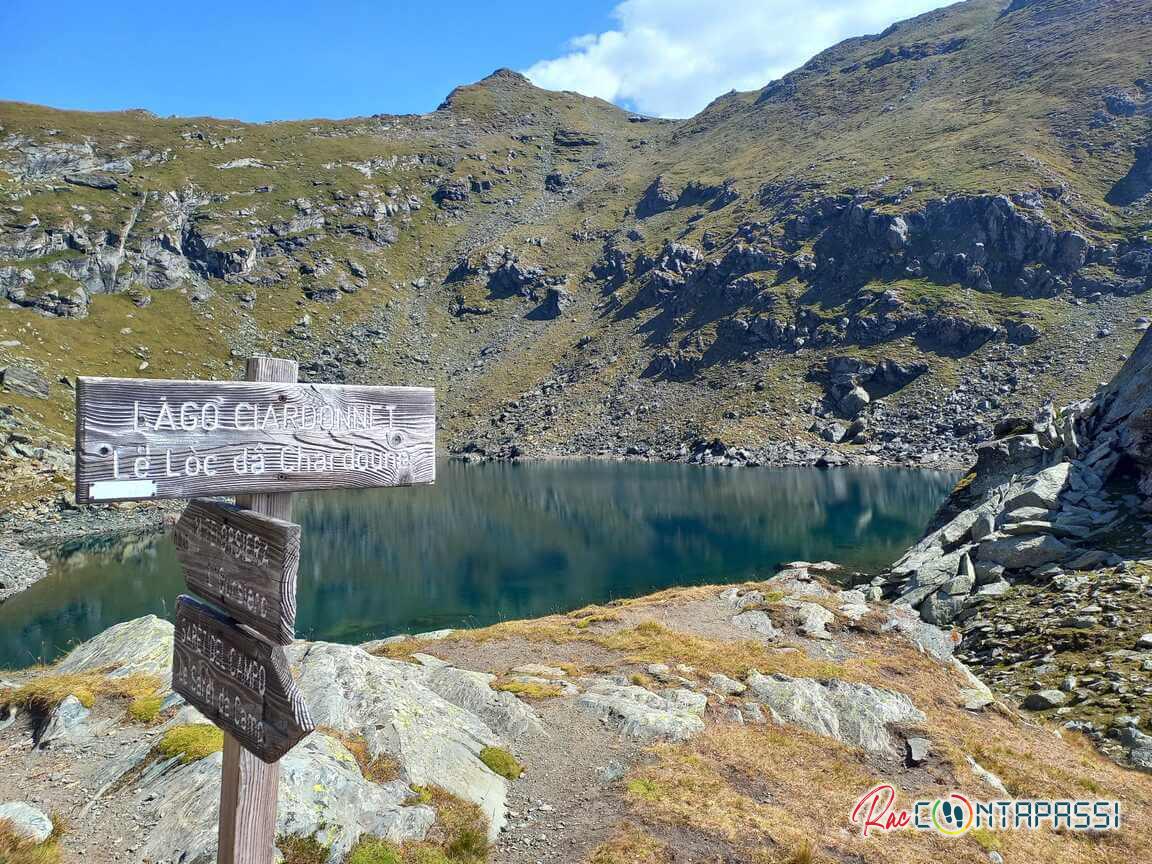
(27, 529)
(490, 542)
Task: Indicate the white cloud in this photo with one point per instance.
(670, 58)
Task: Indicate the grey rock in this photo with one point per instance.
(473, 692)
(1044, 490)
(994, 589)
(855, 714)
(942, 608)
(756, 621)
(724, 684)
(916, 751)
(390, 705)
(26, 821)
(960, 527)
(1141, 757)
(322, 793)
(965, 579)
(1021, 553)
(17, 379)
(854, 401)
(1144, 643)
(142, 646)
(982, 526)
(812, 620)
(67, 723)
(643, 715)
(1042, 700)
(926, 637)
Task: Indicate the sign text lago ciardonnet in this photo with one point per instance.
(139, 439)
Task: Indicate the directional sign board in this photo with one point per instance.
(237, 680)
(244, 562)
(138, 439)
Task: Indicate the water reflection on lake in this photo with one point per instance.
(497, 541)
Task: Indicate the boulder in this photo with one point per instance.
(756, 621)
(725, 685)
(657, 198)
(142, 646)
(1024, 552)
(322, 793)
(26, 821)
(391, 706)
(641, 714)
(17, 379)
(916, 751)
(812, 620)
(854, 401)
(855, 714)
(68, 722)
(1042, 700)
(1044, 489)
(473, 692)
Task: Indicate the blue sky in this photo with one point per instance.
(258, 60)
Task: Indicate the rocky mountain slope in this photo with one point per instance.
(704, 724)
(868, 260)
(1042, 557)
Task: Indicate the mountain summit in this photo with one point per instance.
(867, 260)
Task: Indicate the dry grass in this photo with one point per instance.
(651, 641)
(44, 692)
(459, 835)
(630, 845)
(17, 849)
(379, 769)
(302, 850)
(527, 689)
(779, 787)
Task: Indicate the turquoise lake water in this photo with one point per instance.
(497, 541)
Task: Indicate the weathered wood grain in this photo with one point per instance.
(244, 562)
(237, 680)
(248, 792)
(248, 787)
(138, 439)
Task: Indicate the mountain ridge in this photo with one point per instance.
(867, 260)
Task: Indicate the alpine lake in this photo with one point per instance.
(498, 541)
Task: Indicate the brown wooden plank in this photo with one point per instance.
(237, 680)
(248, 793)
(243, 562)
(139, 439)
(248, 788)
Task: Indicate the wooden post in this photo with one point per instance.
(248, 786)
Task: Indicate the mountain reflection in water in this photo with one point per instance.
(496, 541)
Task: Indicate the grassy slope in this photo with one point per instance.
(1010, 111)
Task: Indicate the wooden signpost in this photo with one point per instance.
(244, 562)
(141, 439)
(260, 440)
(240, 683)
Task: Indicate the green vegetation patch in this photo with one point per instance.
(502, 762)
(190, 742)
(302, 850)
(459, 835)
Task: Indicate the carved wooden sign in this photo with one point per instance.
(244, 562)
(237, 680)
(140, 439)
